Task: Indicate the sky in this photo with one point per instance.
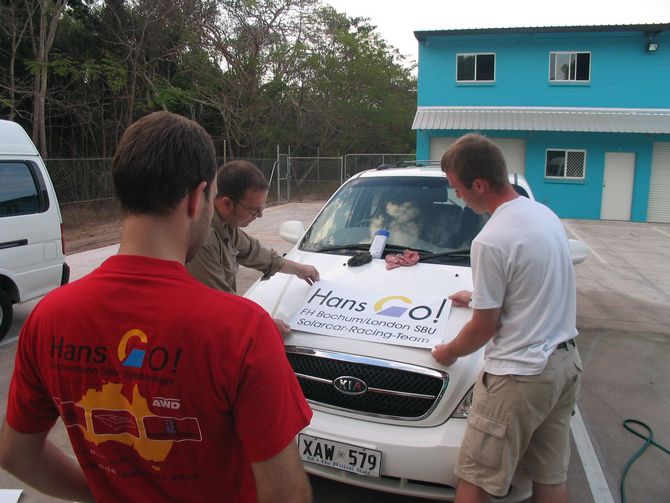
(397, 20)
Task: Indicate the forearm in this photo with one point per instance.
(470, 339)
(290, 267)
(282, 478)
(474, 334)
(297, 494)
(40, 464)
(303, 271)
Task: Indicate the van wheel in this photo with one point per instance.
(5, 314)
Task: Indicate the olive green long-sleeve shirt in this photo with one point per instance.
(225, 247)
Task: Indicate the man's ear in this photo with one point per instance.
(225, 203)
(195, 198)
(480, 185)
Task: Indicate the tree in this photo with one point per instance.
(255, 73)
(42, 30)
(252, 41)
(354, 92)
(13, 24)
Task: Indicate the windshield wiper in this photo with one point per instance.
(355, 247)
(364, 247)
(453, 253)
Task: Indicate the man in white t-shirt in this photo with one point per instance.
(524, 311)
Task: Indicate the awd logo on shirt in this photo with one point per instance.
(134, 351)
(166, 403)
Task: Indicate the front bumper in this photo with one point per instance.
(416, 461)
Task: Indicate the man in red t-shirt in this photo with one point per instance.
(163, 398)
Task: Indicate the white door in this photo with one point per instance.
(659, 187)
(617, 186)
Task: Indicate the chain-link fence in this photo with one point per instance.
(84, 190)
(86, 195)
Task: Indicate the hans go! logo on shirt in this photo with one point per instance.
(133, 351)
(395, 306)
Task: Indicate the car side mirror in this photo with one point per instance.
(578, 251)
(292, 231)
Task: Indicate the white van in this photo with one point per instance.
(32, 255)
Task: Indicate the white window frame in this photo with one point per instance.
(555, 54)
(476, 54)
(564, 176)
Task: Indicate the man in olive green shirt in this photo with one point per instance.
(242, 191)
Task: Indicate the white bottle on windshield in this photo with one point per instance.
(378, 243)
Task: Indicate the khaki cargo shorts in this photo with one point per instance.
(521, 423)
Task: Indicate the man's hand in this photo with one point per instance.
(283, 327)
(302, 271)
(443, 355)
(461, 299)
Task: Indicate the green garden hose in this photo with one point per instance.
(648, 440)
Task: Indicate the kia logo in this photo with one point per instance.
(350, 385)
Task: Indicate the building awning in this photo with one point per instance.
(591, 120)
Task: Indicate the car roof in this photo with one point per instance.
(14, 140)
(404, 171)
(429, 171)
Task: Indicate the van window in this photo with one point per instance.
(19, 192)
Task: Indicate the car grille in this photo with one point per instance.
(392, 390)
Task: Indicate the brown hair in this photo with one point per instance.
(473, 157)
(159, 159)
(236, 177)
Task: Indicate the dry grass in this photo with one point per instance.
(88, 226)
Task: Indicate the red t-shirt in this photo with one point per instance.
(169, 389)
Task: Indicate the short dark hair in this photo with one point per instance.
(159, 159)
(473, 157)
(236, 177)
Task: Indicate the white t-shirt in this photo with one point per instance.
(521, 262)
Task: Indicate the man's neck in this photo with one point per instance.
(496, 199)
(153, 236)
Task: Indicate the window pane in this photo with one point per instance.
(18, 192)
(562, 66)
(555, 163)
(583, 66)
(485, 67)
(575, 165)
(552, 66)
(573, 66)
(466, 68)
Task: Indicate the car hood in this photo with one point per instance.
(282, 294)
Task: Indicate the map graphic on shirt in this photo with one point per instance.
(107, 415)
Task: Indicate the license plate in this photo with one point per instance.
(350, 458)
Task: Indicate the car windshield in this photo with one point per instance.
(420, 213)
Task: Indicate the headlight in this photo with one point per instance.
(463, 408)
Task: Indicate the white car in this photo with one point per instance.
(387, 416)
(32, 251)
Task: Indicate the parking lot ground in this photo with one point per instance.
(624, 341)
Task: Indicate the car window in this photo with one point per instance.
(19, 193)
(421, 213)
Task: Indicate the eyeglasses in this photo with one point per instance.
(254, 213)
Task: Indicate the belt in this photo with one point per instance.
(566, 345)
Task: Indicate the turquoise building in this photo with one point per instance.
(582, 111)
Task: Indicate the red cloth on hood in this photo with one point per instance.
(406, 258)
